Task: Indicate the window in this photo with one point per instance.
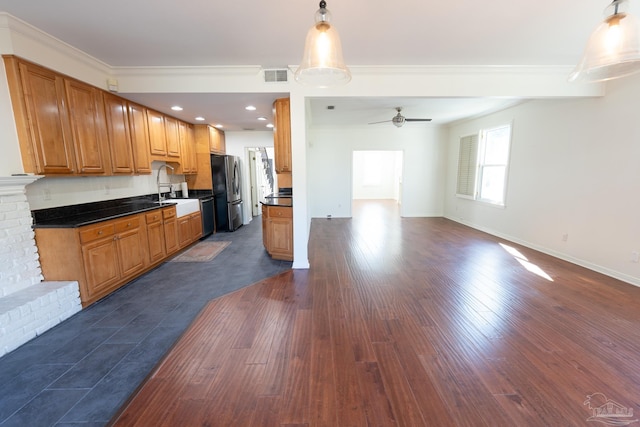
(482, 165)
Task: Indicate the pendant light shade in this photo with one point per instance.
(322, 64)
(613, 50)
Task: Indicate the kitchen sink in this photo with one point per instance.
(184, 206)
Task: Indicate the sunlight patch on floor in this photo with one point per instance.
(529, 266)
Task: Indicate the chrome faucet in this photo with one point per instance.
(163, 184)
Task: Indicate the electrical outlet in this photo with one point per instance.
(107, 189)
(46, 194)
(565, 237)
(635, 256)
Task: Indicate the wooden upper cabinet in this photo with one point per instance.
(118, 132)
(187, 148)
(39, 105)
(173, 139)
(87, 119)
(157, 133)
(139, 131)
(282, 135)
(191, 144)
(217, 142)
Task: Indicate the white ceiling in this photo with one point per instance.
(271, 34)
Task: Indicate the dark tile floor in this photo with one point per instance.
(80, 372)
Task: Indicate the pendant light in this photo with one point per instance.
(322, 64)
(613, 50)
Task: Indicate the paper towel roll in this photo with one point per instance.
(184, 189)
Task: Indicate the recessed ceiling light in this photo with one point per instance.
(262, 119)
(200, 119)
(270, 125)
(177, 108)
(219, 126)
(250, 108)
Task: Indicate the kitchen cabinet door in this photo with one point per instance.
(139, 131)
(157, 134)
(173, 139)
(184, 231)
(280, 233)
(191, 145)
(39, 104)
(87, 120)
(187, 148)
(118, 132)
(282, 135)
(281, 238)
(101, 267)
(155, 237)
(196, 226)
(130, 241)
(170, 230)
(217, 141)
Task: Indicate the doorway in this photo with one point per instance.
(262, 177)
(377, 175)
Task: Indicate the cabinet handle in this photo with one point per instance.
(100, 232)
(129, 224)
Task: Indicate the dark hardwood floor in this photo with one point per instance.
(405, 322)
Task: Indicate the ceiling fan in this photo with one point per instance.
(398, 120)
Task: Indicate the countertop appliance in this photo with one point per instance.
(227, 192)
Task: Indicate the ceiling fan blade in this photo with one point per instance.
(417, 120)
(384, 121)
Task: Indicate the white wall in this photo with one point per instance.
(237, 144)
(574, 170)
(330, 166)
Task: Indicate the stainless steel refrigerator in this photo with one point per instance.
(227, 192)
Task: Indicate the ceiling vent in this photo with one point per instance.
(276, 76)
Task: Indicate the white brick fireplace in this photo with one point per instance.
(28, 305)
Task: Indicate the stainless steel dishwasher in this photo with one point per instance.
(208, 221)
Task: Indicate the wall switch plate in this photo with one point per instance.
(635, 256)
(46, 194)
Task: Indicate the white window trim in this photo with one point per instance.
(478, 177)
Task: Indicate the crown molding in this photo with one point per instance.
(21, 34)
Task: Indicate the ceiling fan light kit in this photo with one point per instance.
(613, 50)
(322, 64)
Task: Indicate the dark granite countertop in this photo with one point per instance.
(90, 213)
(278, 201)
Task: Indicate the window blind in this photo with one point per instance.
(467, 165)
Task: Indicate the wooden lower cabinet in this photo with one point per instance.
(170, 228)
(106, 255)
(277, 231)
(189, 228)
(155, 236)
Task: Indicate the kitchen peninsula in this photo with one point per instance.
(277, 226)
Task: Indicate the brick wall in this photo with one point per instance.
(19, 266)
(28, 305)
